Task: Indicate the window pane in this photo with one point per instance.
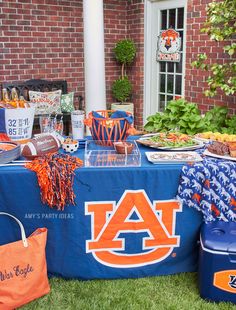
(170, 84)
(180, 19)
(162, 83)
(172, 18)
(162, 66)
(181, 36)
(163, 19)
(178, 81)
(169, 98)
(162, 103)
(170, 67)
(179, 64)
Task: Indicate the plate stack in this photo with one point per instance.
(9, 151)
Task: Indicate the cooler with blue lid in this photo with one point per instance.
(217, 262)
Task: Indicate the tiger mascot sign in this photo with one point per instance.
(168, 46)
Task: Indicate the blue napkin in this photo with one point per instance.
(120, 114)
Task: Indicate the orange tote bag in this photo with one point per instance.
(23, 269)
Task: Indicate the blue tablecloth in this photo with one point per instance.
(72, 234)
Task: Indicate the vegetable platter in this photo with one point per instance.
(170, 141)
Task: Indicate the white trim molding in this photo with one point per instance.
(94, 56)
(151, 32)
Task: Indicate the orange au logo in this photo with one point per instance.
(109, 220)
(225, 280)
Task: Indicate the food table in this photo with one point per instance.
(125, 223)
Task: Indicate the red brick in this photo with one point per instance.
(49, 44)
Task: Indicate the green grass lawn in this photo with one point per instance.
(177, 292)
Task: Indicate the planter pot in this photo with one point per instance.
(128, 107)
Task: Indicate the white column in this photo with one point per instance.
(94, 57)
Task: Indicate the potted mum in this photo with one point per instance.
(125, 52)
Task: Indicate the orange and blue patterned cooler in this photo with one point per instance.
(217, 262)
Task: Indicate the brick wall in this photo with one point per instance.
(115, 15)
(135, 31)
(125, 19)
(44, 39)
(198, 42)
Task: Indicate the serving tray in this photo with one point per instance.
(145, 140)
(207, 153)
(173, 157)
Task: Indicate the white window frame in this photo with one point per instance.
(151, 32)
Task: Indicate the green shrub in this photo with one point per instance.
(121, 89)
(221, 27)
(185, 117)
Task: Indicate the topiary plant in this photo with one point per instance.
(125, 52)
(121, 89)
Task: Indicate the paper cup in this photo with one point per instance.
(77, 124)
